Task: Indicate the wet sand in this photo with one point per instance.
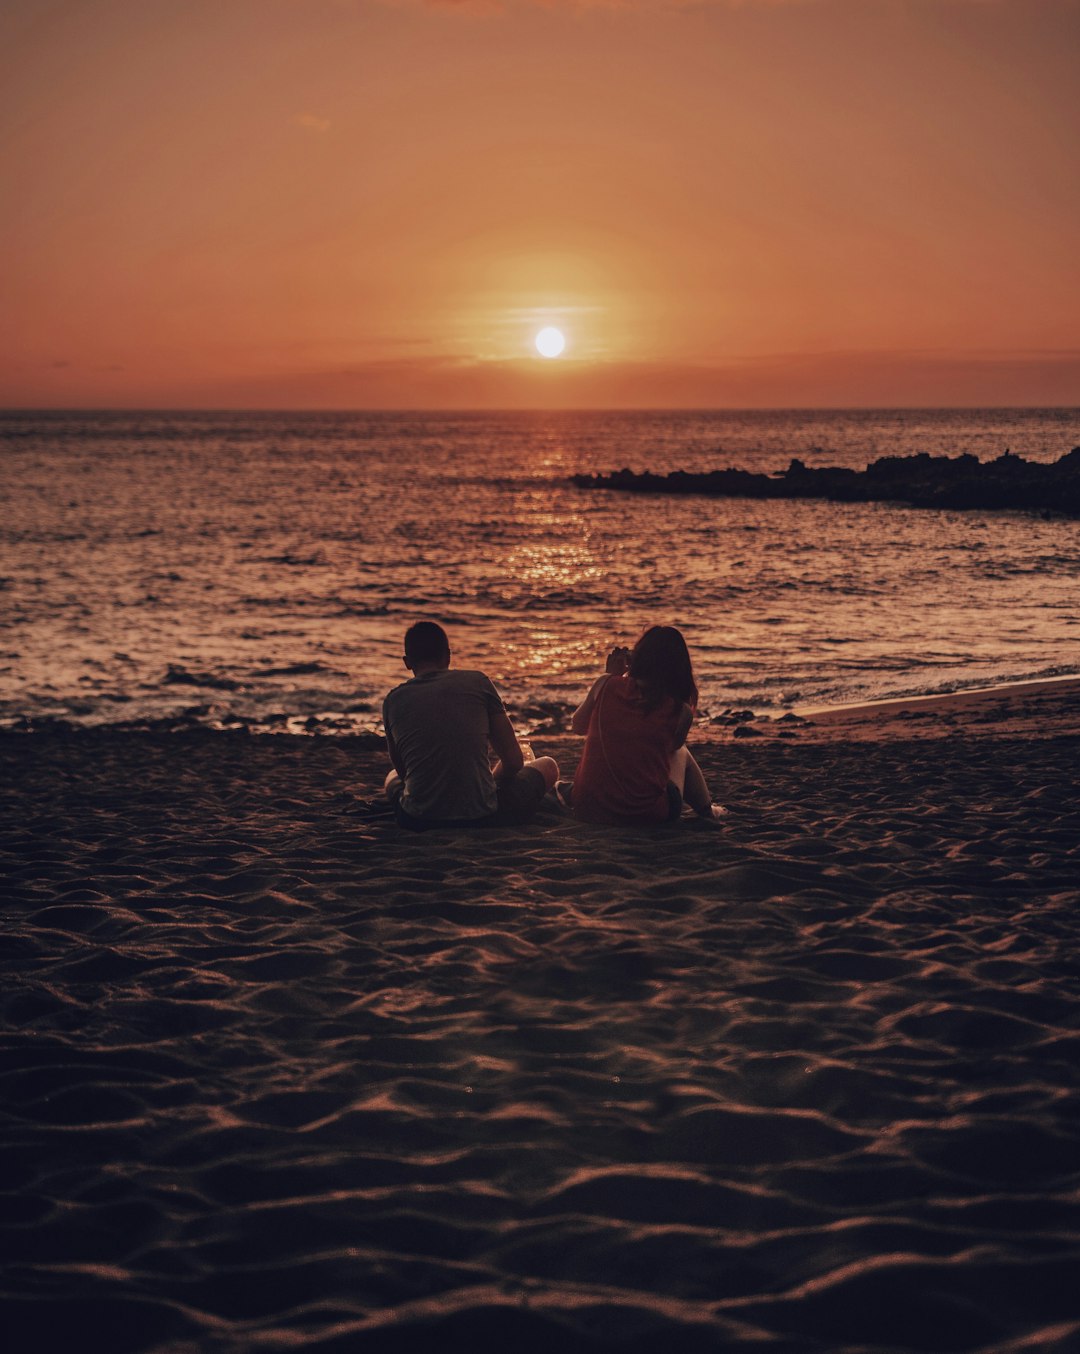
(276, 1074)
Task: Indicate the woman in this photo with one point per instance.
(636, 767)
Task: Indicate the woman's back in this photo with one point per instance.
(623, 776)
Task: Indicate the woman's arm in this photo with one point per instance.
(618, 662)
(579, 720)
(682, 728)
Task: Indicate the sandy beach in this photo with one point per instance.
(276, 1074)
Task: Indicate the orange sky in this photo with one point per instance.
(350, 203)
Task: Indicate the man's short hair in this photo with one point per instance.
(425, 642)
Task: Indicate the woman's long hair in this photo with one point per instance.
(660, 664)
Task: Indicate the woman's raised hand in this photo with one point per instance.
(618, 661)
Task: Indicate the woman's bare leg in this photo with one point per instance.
(692, 785)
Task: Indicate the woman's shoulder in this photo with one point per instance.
(623, 687)
(639, 701)
(604, 680)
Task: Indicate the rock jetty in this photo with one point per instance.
(921, 481)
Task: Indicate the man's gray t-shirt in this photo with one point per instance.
(440, 723)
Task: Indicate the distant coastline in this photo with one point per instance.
(920, 481)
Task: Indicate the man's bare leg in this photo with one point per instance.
(547, 766)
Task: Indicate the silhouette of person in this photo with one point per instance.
(439, 726)
(636, 767)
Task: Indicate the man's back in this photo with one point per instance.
(440, 723)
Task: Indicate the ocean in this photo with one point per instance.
(259, 569)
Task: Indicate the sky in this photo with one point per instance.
(378, 203)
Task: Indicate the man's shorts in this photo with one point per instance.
(519, 798)
(518, 801)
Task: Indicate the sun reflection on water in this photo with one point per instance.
(564, 564)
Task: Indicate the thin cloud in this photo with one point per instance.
(471, 7)
(479, 7)
(489, 7)
(831, 380)
(312, 122)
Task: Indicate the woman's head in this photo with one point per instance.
(660, 664)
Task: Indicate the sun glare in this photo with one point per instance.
(550, 342)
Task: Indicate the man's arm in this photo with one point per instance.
(504, 741)
(395, 757)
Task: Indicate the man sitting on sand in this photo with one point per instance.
(439, 725)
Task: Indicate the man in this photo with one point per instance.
(439, 725)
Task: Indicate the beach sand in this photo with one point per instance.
(275, 1074)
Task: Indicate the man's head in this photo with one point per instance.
(426, 646)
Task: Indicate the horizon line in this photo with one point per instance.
(530, 409)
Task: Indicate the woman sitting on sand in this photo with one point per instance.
(636, 767)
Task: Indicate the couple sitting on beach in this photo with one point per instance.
(635, 768)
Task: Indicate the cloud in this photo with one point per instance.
(476, 7)
(312, 122)
(827, 380)
(472, 7)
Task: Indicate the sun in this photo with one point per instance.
(550, 342)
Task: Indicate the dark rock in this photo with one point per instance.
(178, 676)
(920, 481)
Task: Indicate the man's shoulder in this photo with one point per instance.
(470, 676)
(453, 679)
(393, 693)
(479, 682)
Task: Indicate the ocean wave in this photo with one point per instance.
(529, 579)
(292, 670)
(176, 675)
(357, 609)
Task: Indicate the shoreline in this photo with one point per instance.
(1020, 685)
(1048, 706)
(851, 716)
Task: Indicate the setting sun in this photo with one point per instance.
(550, 342)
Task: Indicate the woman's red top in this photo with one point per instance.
(624, 771)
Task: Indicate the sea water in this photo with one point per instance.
(260, 569)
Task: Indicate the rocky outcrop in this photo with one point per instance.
(921, 481)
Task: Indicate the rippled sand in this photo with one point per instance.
(275, 1074)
